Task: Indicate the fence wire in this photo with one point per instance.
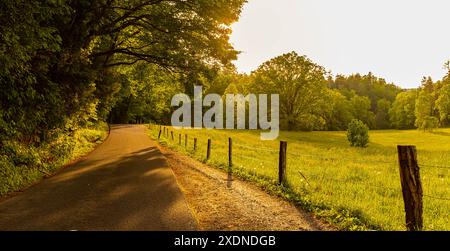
(434, 166)
(253, 148)
(321, 157)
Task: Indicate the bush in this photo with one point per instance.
(358, 133)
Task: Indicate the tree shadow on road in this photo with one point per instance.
(135, 192)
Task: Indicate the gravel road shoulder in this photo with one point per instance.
(242, 207)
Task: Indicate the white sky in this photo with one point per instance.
(399, 40)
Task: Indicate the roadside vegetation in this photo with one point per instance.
(352, 188)
(65, 65)
(24, 164)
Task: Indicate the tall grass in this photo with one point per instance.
(354, 188)
(22, 164)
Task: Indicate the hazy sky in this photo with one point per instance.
(399, 40)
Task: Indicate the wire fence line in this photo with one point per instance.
(322, 158)
(253, 148)
(434, 166)
(319, 157)
(254, 159)
(436, 198)
(344, 181)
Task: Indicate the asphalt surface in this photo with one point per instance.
(125, 184)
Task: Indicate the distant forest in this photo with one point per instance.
(311, 99)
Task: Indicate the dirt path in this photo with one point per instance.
(125, 184)
(241, 207)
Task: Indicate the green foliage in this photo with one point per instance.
(402, 112)
(22, 164)
(58, 57)
(382, 115)
(145, 94)
(361, 110)
(301, 85)
(443, 102)
(339, 112)
(425, 107)
(358, 133)
(367, 86)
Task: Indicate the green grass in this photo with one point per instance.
(352, 188)
(22, 165)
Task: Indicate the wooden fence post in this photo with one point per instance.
(208, 150)
(230, 155)
(179, 139)
(159, 135)
(282, 163)
(195, 144)
(171, 133)
(411, 187)
(230, 163)
(185, 141)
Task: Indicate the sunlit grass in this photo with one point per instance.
(329, 176)
(22, 164)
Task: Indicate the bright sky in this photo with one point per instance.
(399, 40)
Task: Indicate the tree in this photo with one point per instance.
(370, 86)
(145, 94)
(443, 101)
(340, 111)
(60, 58)
(361, 110)
(402, 112)
(382, 115)
(301, 85)
(375, 89)
(425, 107)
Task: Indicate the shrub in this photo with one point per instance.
(358, 133)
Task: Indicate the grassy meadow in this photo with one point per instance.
(352, 188)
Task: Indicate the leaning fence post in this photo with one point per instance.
(159, 135)
(171, 133)
(282, 163)
(411, 187)
(208, 150)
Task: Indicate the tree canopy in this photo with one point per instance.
(60, 59)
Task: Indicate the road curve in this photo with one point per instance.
(125, 184)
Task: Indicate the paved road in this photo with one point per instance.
(125, 184)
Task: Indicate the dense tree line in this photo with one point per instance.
(63, 63)
(312, 99)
